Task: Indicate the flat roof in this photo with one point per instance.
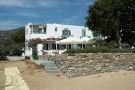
(31, 25)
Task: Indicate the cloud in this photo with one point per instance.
(70, 20)
(53, 3)
(29, 3)
(9, 24)
(47, 3)
(44, 3)
(32, 3)
(29, 14)
(17, 3)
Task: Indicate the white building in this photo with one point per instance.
(52, 32)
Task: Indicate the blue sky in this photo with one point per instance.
(16, 13)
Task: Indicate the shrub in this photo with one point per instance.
(102, 49)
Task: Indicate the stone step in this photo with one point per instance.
(50, 66)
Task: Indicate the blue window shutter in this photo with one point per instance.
(69, 33)
(84, 33)
(62, 33)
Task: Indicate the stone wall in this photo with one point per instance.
(82, 64)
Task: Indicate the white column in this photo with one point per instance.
(66, 46)
(82, 46)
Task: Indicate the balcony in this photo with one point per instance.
(38, 35)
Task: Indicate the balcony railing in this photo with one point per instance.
(39, 33)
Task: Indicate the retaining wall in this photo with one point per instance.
(82, 64)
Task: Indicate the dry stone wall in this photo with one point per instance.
(82, 64)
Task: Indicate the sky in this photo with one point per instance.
(17, 13)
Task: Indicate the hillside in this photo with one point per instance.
(6, 44)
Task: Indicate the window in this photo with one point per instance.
(45, 46)
(56, 29)
(44, 30)
(40, 30)
(66, 33)
(83, 32)
(53, 46)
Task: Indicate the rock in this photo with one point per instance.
(130, 67)
(98, 67)
(88, 63)
(70, 57)
(116, 70)
(105, 65)
(134, 62)
(106, 61)
(103, 70)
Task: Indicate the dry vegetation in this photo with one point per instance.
(33, 67)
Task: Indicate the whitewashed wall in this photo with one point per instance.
(76, 31)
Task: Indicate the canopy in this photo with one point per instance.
(71, 40)
(88, 40)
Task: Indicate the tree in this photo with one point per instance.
(19, 37)
(113, 19)
(33, 44)
(6, 46)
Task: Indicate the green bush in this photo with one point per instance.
(121, 51)
(102, 49)
(133, 51)
(34, 55)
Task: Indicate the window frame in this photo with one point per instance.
(56, 28)
(66, 33)
(83, 32)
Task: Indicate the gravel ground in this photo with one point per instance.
(14, 58)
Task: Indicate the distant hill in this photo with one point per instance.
(5, 39)
(8, 33)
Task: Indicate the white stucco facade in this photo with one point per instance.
(44, 31)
